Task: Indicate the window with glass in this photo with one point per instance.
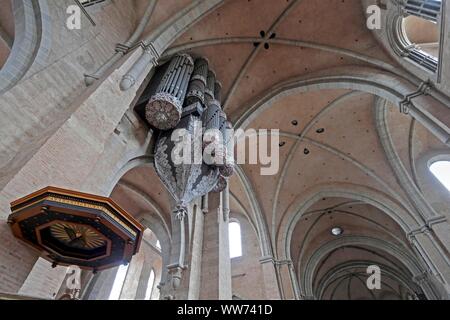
(118, 282)
(419, 32)
(88, 3)
(150, 285)
(441, 170)
(235, 237)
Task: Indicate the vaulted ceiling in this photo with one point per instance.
(329, 134)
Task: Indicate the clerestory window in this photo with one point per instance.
(88, 3)
(150, 286)
(441, 170)
(418, 32)
(235, 238)
(118, 282)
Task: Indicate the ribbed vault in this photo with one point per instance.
(348, 156)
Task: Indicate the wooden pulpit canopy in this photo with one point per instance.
(74, 228)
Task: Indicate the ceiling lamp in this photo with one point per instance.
(336, 231)
(73, 228)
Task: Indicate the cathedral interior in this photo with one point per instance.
(352, 97)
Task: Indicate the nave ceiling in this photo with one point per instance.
(330, 128)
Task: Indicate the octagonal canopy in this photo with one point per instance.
(74, 228)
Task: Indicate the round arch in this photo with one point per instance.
(406, 258)
(390, 37)
(344, 268)
(155, 220)
(31, 41)
(379, 83)
(383, 202)
(154, 224)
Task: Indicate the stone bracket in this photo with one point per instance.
(427, 227)
(423, 89)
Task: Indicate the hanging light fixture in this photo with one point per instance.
(336, 231)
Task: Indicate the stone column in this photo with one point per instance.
(100, 286)
(143, 281)
(427, 283)
(216, 262)
(196, 256)
(177, 285)
(87, 277)
(225, 282)
(155, 291)
(294, 280)
(269, 270)
(132, 279)
(435, 258)
(285, 279)
(429, 124)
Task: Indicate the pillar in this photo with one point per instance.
(143, 281)
(176, 287)
(131, 284)
(437, 262)
(196, 256)
(216, 262)
(99, 288)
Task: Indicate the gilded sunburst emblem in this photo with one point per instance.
(77, 236)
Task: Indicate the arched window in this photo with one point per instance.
(88, 3)
(118, 282)
(234, 230)
(441, 170)
(427, 9)
(423, 34)
(418, 32)
(151, 282)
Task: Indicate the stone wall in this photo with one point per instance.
(137, 278)
(136, 281)
(16, 261)
(37, 141)
(33, 109)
